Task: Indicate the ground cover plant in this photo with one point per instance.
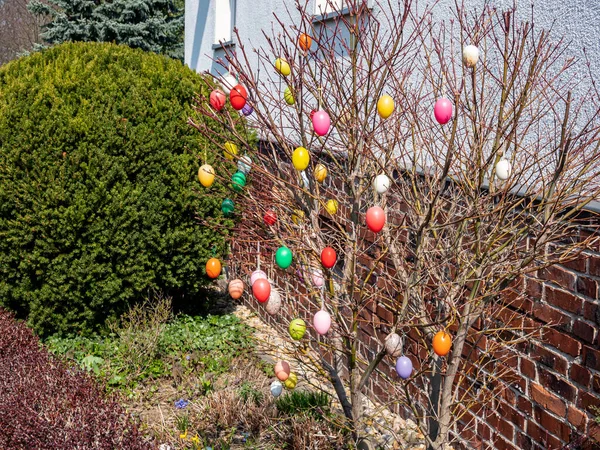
(415, 178)
(98, 185)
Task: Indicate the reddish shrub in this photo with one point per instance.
(45, 404)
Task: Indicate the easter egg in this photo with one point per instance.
(442, 342)
(270, 217)
(300, 158)
(470, 55)
(321, 122)
(404, 367)
(442, 111)
(283, 257)
(217, 99)
(322, 322)
(274, 303)
(230, 151)
(238, 181)
(328, 257)
(291, 381)
(213, 267)
(282, 67)
(236, 288)
(503, 169)
(375, 219)
(261, 289)
(298, 216)
(247, 109)
(238, 97)
(304, 41)
(297, 329)
(393, 345)
(227, 206)
(385, 106)
(256, 275)
(381, 183)
(244, 164)
(228, 82)
(320, 173)
(206, 175)
(282, 370)
(276, 388)
(317, 278)
(332, 206)
(288, 96)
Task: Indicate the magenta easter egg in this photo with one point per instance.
(257, 275)
(321, 122)
(443, 111)
(322, 322)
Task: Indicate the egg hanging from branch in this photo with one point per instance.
(470, 55)
(228, 82)
(404, 367)
(304, 41)
(238, 181)
(257, 275)
(217, 99)
(300, 158)
(288, 96)
(328, 257)
(247, 110)
(238, 97)
(276, 388)
(231, 150)
(270, 217)
(236, 288)
(381, 183)
(332, 206)
(442, 110)
(282, 370)
(206, 175)
(244, 164)
(442, 342)
(320, 173)
(282, 66)
(213, 267)
(375, 219)
(385, 106)
(261, 289)
(503, 169)
(321, 123)
(283, 257)
(227, 206)
(274, 303)
(322, 322)
(297, 329)
(393, 345)
(291, 381)
(317, 278)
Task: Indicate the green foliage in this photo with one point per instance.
(248, 392)
(186, 344)
(98, 192)
(315, 404)
(151, 25)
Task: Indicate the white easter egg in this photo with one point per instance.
(393, 345)
(228, 81)
(470, 55)
(381, 183)
(244, 164)
(503, 169)
(274, 303)
(276, 388)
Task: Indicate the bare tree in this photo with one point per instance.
(475, 206)
(19, 29)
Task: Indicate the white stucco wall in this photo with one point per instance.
(577, 20)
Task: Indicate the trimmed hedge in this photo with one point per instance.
(98, 191)
(44, 404)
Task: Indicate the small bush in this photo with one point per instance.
(45, 404)
(315, 404)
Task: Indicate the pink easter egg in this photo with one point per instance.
(321, 122)
(317, 278)
(322, 322)
(443, 111)
(256, 275)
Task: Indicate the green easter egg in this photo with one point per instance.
(297, 329)
(239, 181)
(227, 206)
(283, 257)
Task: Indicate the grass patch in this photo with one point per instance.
(315, 404)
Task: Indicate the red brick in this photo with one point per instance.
(550, 315)
(579, 264)
(577, 418)
(580, 375)
(587, 286)
(594, 266)
(502, 426)
(528, 368)
(384, 314)
(523, 441)
(512, 415)
(541, 436)
(587, 400)
(549, 358)
(501, 444)
(562, 342)
(533, 288)
(560, 276)
(551, 423)
(557, 385)
(584, 331)
(591, 312)
(547, 399)
(524, 405)
(590, 358)
(563, 299)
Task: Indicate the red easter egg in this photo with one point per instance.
(328, 257)
(312, 113)
(261, 289)
(442, 111)
(238, 96)
(270, 217)
(375, 219)
(217, 99)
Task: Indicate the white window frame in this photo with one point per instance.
(224, 21)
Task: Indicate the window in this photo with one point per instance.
(224, 20)
(326, 6)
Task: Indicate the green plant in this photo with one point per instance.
(315, 404)
(248, 392)
(98, 192)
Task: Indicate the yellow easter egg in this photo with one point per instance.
(282, 67)
(291, 381)
(385, 106)
(300, 158)
(331, 206)
(206, 175)
(320, 173)
(288, 95)
(298, 216)
(230, 151)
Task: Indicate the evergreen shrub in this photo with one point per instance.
(99, 200)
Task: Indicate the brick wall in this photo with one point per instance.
(548, 384)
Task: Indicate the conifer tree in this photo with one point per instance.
(152, 25)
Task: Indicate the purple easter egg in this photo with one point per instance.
(247, 110)
(321, 122)
(404, 367)
(443, 111)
